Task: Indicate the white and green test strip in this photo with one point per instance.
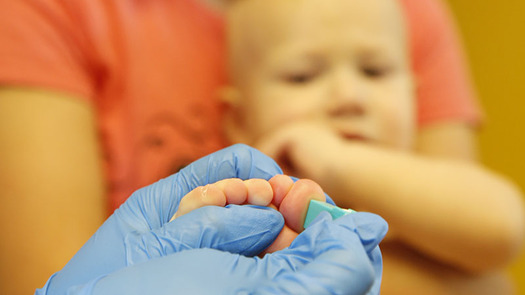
(317, 207)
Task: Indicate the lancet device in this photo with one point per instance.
(317, 207)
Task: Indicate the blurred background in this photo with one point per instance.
(493, 34)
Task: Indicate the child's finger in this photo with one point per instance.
(281, 185)
(295, 204)
(201, 196)
(234, 189)
(227, 191)
(259, 192)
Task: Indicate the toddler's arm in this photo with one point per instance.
(438, 201)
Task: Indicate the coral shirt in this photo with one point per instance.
(444, 89)
(151, 68)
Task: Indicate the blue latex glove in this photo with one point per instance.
(139, 232)
(139, 229)
(329, 257)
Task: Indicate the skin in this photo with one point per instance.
(311, 69)
(51, 184)
(280, 193)
(306, 92)
(67, 207)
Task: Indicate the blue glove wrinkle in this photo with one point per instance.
(142, 247)
(377, 262)
(332, 273)
(103, 253)
(370, 227)
(248, 163)
(253, 169)
(197, 271)
(294, 257)
(261, 171)
(224, 168)
(148, 208)
(320, 228)
(102, 261)
(248, 239)
(296, 270)
(259, 166)
(130, 217)
(321, 253)
(85, 289)
(208, 227)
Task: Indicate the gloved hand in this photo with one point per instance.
(139, 229)
(138, 232)
(329, 257)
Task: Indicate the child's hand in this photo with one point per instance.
(305, 150)
(280, 192)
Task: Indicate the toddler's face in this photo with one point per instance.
(342, 63)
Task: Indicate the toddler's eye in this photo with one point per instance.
(299, 78)
(375, 71)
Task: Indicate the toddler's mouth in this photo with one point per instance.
(354, 136)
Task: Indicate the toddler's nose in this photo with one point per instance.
(348, 97)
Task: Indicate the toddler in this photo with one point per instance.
(325, 88)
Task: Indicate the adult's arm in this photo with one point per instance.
(51, 184)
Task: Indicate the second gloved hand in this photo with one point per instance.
(329, 257)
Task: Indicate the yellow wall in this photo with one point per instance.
(494, 38)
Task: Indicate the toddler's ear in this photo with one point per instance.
(234, 126)
(230, 96)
